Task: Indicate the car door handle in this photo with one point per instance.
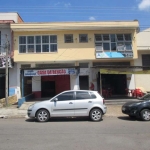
(71, 103)
(90, 101)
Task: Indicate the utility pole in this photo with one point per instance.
(6, 71)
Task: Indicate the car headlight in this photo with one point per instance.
(30, 107)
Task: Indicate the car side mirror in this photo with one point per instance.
(55, 99)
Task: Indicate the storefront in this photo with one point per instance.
(48, 82)
(119, 78)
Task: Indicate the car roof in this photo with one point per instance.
(79, 91)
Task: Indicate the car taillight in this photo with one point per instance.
(103, 101)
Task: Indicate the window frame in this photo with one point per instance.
(65, 35)
(40, 44)
(82, 92)
(62, 94)
(115, 41)
(83, 41)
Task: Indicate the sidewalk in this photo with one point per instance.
(10, 112)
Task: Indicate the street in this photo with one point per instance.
(113, 133)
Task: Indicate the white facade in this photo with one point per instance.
(9, 16)
(143, 47)
(5, 20)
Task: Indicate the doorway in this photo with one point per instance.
(48, 88)
(116, 82)
(84, 82)
(2, 86)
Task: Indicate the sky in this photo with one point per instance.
(80, 10)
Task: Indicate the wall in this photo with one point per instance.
(11, 100)
(9, 16)
(66, 51)
(143, 42)
(5, 31)
(142, 80)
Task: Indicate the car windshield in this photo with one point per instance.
(145, 97)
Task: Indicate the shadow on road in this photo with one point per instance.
(69, 119)
(127, 118)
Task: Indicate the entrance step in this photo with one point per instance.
(25, 105)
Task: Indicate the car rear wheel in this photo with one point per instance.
(145, 114)
(96, 114)
(42, 115)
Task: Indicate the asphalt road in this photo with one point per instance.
(75, 134)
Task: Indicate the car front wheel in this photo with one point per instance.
(96, 114)
(42, 115)
(145, 114)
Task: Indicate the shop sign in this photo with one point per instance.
(49, 72)
(123, 71)
(114, 54)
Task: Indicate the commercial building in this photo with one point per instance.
(53, 57)
(6, 35)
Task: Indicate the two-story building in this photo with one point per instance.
(53, 57)
(143, 49)
(6, 36)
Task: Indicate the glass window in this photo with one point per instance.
(83, 38)
(98, 46)
(128, 46)
(30, 48)
(127, 37)
(120, 37)
(68, 38)
(106, 46)
(22, 48)
(30, 39)
(45, 48)
(113, 38)
(37, 44)
(113, 47)
(45, 39)
(82, 95)
(38, 48)
(98, 37)
(120, 46)
(53, 47)
(106, 37)
(38, 39)
(53, 39)
(22, 40)
(65, 96)
(93, 96)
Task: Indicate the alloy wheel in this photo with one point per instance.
(146, 115)
(96, 115)
(42, 115)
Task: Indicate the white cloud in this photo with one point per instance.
(144, 5)
(67, 4)
(92, 18)
(62, 4)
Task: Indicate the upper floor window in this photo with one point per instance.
(37, 44)
(83, 38)
(68, 38)
(113, 42)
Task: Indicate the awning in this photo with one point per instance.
(121, 69)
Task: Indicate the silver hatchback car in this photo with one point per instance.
(69, 104)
